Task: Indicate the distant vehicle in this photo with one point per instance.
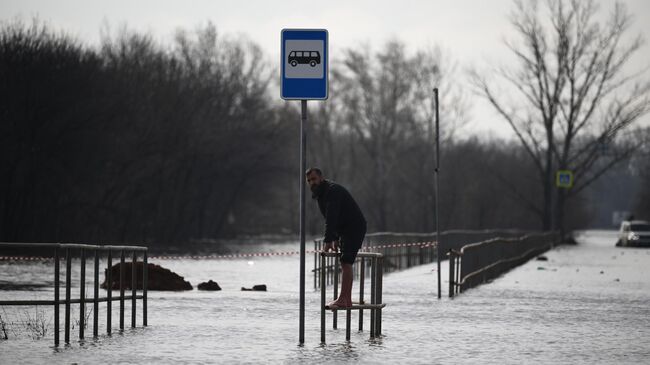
(634, 234)
(312, 58)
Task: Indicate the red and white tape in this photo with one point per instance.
(25, 258)
(243, 255)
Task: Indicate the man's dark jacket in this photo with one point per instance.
(342, 214)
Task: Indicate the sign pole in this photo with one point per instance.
(437, 171)
(303, 75)
(303, 168)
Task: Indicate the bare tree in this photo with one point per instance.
(377, 112)
(432, 67)
(573, 95)
(387, 105)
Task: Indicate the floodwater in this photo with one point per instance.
(587, 304)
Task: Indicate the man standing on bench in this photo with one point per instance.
(345, 228)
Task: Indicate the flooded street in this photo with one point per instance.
(588, 303)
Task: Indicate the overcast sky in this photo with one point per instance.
(470, 30)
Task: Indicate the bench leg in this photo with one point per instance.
(347, 324)
(372, 323)
(378, 326)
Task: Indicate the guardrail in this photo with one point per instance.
(404, 250)
(397, 257)
(375, 261)
(477, 263)
(68, 249)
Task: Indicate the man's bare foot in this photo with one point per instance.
(338, 304)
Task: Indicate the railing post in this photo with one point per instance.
(322, 299)
(457, 280)
(372, 295)
(82, 295)
(336, 291)
(460, 272)
(56, 296)
(408, 256)
(380, 279)
(122, 290)
(398, 257)
(451, 273)
(362, 278)
(109, 292)
(96, 296)
(330, 269)
(455, 257)
(315, 263)
(144, 289)
(133, 287)
(68, 269)
(325, 269)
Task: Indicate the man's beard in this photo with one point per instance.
(314, 188)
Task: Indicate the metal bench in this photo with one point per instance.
(375, 306)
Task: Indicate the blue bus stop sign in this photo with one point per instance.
(304, 64)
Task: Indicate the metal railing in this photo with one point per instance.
(375, 263)
(67, 249)
(477, 263)
(404, 250)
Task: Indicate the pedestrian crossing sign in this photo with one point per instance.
(564, 179)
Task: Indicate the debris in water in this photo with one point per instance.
(541, 268)
(210, 285)
(617, 279)
(261, 287)
(542, 258)
(602, 272)
(159, 278)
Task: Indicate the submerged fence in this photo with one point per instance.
(404, 250)
(477, 263)
(375, 261)
(80, 251)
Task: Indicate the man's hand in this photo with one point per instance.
(331, 246)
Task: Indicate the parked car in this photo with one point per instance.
(634, 234)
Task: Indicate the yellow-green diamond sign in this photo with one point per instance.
(564, 179)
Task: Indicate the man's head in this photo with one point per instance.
(314, 177)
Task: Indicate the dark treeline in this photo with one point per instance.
(132, 141)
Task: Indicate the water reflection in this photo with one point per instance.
(324, 353)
